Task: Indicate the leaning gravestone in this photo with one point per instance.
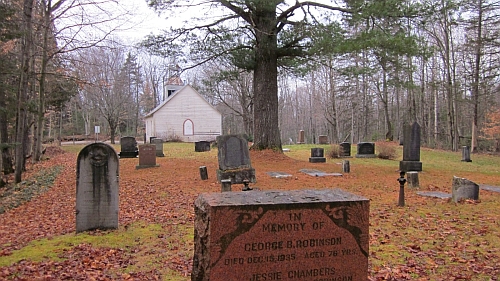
(234, 159)
(159, 147)
(97, 188)
(128, 147)
(366, 150)
(411, 149)
(281, 235)
(147, 156)
(464, 189)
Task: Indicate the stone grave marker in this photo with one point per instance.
(147, 156)
(436, 194)
(97, 188)
(234, 160)
(301, 137)
(411, 149)
(159, 147)
(346, 166)
(279, 175)
(323, 139)
(366, 150)
(489, 188)
(412, 178)
(318, 173)
(201, 146)
(466, 154)
(317, 155)
(345, 149)
(464, 189)
(281, 235)
(128, 147)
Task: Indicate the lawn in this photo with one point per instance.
(428, 239)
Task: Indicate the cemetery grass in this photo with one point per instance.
(428, 239)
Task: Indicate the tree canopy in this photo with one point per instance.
(262, 35)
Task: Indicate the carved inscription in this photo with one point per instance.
(298, 244)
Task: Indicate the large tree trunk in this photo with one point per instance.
(265, 82)
(23, 88)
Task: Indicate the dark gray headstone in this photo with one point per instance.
(345, 149)
(97, 188)
(234, 159)
(201, 146)
(366, 150)
(464, 189)
(466, 154)
(281, 235)
(411, 148)
(128, 147)
(317, 155)
(159, 147)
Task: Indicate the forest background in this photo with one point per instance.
(354, 72)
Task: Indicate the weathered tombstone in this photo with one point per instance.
(322, 139)
(151, 139)
(201, 146)
(128, 147)
(466, 154)
(464, 189)
(345, 149)
(281, 235)
(234, 160)
(147, 156)
(318, 173)
(97, 188)
(279, 175)
(317, 155)
(346, 167)
(159, 147)
(411, 149)
(301, 137)
(203, 173)
(366, 150)
(225, 185)
(413, 179)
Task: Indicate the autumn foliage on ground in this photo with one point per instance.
(428, 239)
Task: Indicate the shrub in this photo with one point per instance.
(334, 151)
(386, 151)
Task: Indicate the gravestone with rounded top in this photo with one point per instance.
(281, 235)
(97, 188)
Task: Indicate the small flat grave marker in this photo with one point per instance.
(318, 173)
(489, 188)
(437, 194)
(279, 175)
(281, 235)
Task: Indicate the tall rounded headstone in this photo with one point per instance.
(97, 188)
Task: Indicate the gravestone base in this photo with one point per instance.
(128, 154)
(237, 176)
(137, 167)
(317, 160)
(366, 156)
(406, 166)
(281, 235)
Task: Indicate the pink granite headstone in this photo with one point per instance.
(281, 235)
